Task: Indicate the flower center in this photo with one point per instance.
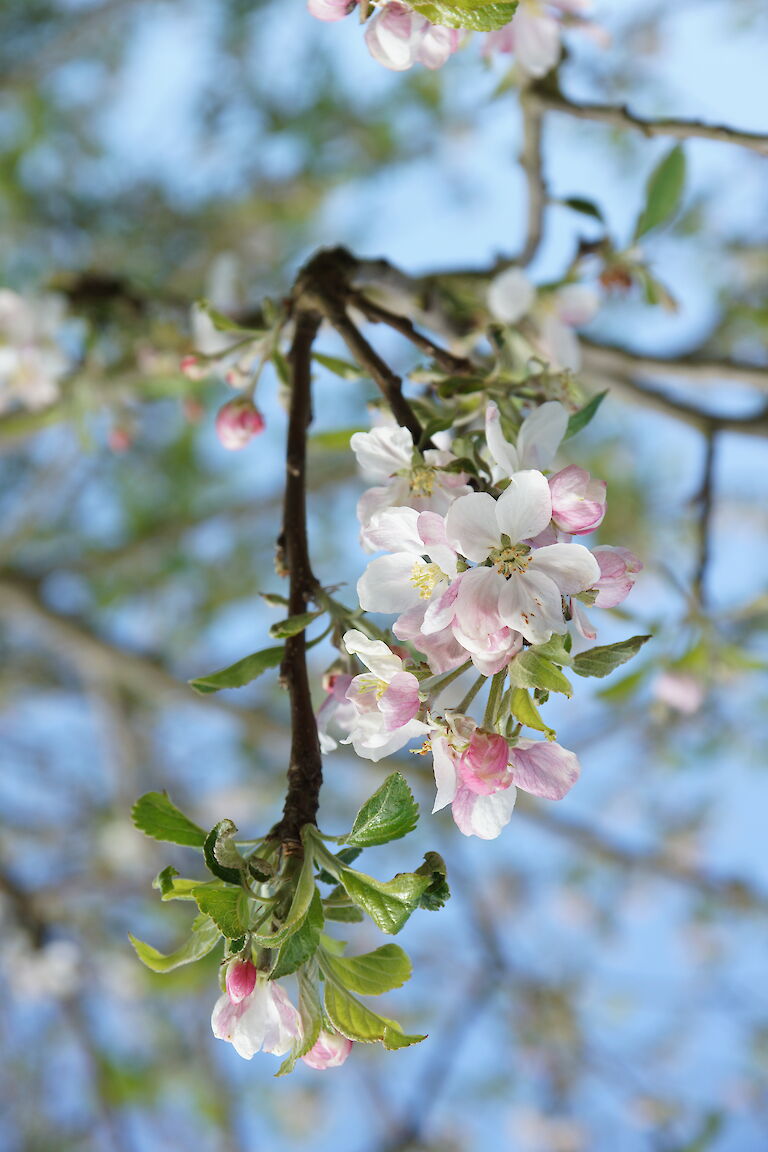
(510, 559)
(370, 683)
(426, 577)
(422, 480)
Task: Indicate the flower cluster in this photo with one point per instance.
(476, 577)
(398, 35)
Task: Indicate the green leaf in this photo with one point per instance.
(155, 815)
(663, 192)
(372, 973)
(336, 440)
(585, 207)
(281, 367)
(359, 1023)
(388, 903)
(311, 1013)
(302, 945)
(174, 887)
(343, 913)
(530, 670)
(341, 368)
(293, 624)
(205, 936)
(437, 891)
(227, 907)
(526, 711)
(471, 14)
(557, 649)
(580, 419)
(241, 673)
(602, 660)
(221, 856)
(389, 814)
(224, 323)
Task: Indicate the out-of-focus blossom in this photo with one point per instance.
(237, 422)
(32, 362)
(336, 712)
(53, 971)
(534, 34)
(680, 691)
(578, 500)
(398, 38)
(553, 314)
(330, 1050)
(331, 9)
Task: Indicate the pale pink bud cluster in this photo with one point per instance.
(398, 38)
(330, 1050)
(237, 422)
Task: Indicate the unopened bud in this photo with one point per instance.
(240, 980)
(238, 422)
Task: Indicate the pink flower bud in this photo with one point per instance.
(330, 9)
(578, 501)
(618, 571)
(192, 368)
(238, 422)
(330, 1050)
(240, 980)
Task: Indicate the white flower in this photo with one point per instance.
(553, 314)
(264, 1019)
(420, 565)
(522, 586)
(32, 363)
(538, 440)
(387, 701)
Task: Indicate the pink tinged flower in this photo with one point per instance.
(484, 765)
(240, 980)
(578, 501)
(386, 702)
(618, 572)
(383, 451)
(684, 693)
(398, 38)
(442, 650)
(525, 587)
(422, 561)
(539, 438)
(330, 9)
(476, 813)
(237, 422)
(330, 1050)
(536, 38)
(264, 1019)
(543, 768)
(336, 711)
(437, 44)
(193, 368)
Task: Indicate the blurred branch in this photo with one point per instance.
(687, 366)
(551, 99)
(755, 424)
(705, 499)
(733, 891)
(401, 324)
(532, 161)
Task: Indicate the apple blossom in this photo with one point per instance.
(398, 38)
(534, 33)
(330, 1050)
(405, 578)
(618, 572)
(578, 500)
(522, 586)
(680, 691)
(331, 9)
(539, 438)
(402, 476)
(553, 314)
(336, 710)
(386, 701)
(237, 422)
(32, 363)
(264, 1019)
(240, 980)
(478, 773)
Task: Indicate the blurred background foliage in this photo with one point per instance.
(597, 981)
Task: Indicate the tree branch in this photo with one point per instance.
(705, 499)
(379, 315)
(532, 161)
(619, 116)
(689, 366)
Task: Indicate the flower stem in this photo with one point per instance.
(494, 698)
(465, 703)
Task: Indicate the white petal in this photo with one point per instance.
(541, 435)
(559, 344)
(524, 509)
(571, 566)
(504, 454)
(386, 584)
(471, 525)
(537, 41)
(383, 451)
(510, 295)
(445, 772)
(576, 304)
(483, 816)
(531, 604)
(395, 530)
(374, 654)
(373, 741)
(477, 604)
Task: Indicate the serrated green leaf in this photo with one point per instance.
(293, 624)
(663, 193)
(373, 973)
(311, 1013)
(239, 674)
(221, 856)
(227, 907)
(343, 913)
(155, 816)
(580, 419)
(526, 712)
(388, 903)
(388, 815)
(302, 944)
(205, 936)
(530, 670)
(338, 367)
(437, 891)
(470, 14)
(359, 1023)
(602, 660)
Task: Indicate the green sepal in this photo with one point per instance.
(205, 936)
(388, 815)
(302, 944)
(530, 670)
(372, 973)
(240, 673)
(605, 658)
(218, 850)
(155, 816)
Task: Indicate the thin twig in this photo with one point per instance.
(705, 499)
(380, 315)
(688, 366)
(660, 400)
(619, 116)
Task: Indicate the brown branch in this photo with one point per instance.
(380, 315)
(689, 366)
(705, 498)
(532, 161)
(305, 769)
(662, 401)
(619, 116)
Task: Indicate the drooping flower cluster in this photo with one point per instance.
(398, 35)
(474, 577)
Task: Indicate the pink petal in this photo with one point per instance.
(400, 703)
(483, 816)
(483, 768)
(330, 1050)
(544, 769)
